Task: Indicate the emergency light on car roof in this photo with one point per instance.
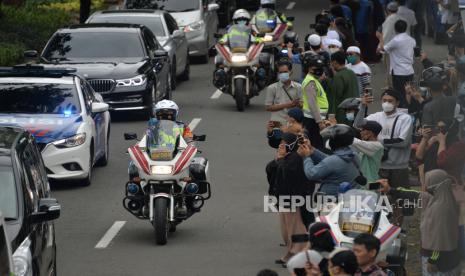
(35, 70)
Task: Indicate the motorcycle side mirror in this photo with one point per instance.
(260, 35)
(200, 138)
(130, 136)
(218, 36)
(290, 18)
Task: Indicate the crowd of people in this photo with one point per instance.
(325, 137)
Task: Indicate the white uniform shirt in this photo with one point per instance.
(400, 50)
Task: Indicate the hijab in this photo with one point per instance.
(440, 216)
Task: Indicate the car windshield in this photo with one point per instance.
(162, 139)
(91, 46)
(152, 22)
(166, 5)
(8, 194)
(358, 214)
(39, 98)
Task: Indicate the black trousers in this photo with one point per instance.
(313, 132)
(399, 83)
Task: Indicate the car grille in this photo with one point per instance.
(102, 86)
(41, 146)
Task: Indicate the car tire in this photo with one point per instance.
(173, 73)
(88, 180)
(103, 161)
(187, 70)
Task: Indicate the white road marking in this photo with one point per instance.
(290, 6)
(194, 123)
(216, 95)
(110, 234)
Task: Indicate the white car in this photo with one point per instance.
(70, 122)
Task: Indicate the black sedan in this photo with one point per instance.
(123, 62)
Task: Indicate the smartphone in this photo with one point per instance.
(276, 124)
(300, 272)
(331, 116)
(369, 91)
(428, 126)
(374, 186)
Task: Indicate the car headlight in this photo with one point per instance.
(70, 142)
(161, 169)
(194, 26)
(136, 81)
(22, 259)
(238, 58)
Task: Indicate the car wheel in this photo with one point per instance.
(187, 70)
(103, 161)
(88, 180)
(173, 74)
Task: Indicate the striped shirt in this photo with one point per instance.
(363, 72)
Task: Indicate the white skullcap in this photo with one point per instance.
(314, 40)
(353, 49)
(334, 42)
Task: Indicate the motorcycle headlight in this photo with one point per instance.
(238, 58)
(194, 26)
(161, 169)
(22, 259)
(268, 38)
(70, 142)
(136, 81)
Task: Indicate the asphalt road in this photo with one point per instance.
(231, 236)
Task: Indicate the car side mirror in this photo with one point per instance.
(99, 107)
(130, 136)
(200, 138)
(213, 7)
(31, 54)
(178, 34)
(290, 18)
(49, 209)
(160, 53)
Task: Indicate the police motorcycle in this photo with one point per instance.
(168, 182)
(362, 211)
(237, 72)
(272, 27)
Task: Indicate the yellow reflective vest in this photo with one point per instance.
(321, 99)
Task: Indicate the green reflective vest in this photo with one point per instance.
(321, 99)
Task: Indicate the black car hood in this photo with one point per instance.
(106, 70)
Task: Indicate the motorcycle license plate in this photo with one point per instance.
(356, 227)
(161, 155)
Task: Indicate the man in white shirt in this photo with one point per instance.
(360, 68)
(401, 56)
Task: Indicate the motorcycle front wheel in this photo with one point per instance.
(240, 93)
(160, 221)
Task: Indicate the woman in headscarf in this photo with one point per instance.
(440, 250)
(290, 181)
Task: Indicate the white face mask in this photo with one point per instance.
(333, 50)
(387, 107)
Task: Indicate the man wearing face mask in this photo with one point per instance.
(396, 135)
(284, 94)
(360, 68)
(315, 103)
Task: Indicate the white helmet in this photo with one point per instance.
(167, 106)
(241, 13)
(267, 2)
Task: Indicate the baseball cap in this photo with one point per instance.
(314, 40)
(393, 7)
(353, 49)
(393, 93)
(372, 126)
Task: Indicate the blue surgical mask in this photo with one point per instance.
(283, 77)
(350, 116)
(242, 23)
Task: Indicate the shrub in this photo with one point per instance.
(10, 53)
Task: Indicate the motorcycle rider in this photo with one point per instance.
(315, 103)
(240, 29)
(266, 12)
(332, 170)
(169, 110)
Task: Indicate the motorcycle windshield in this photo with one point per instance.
(266, 20)
(239, 39)
(162, 139)
(359, 212)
